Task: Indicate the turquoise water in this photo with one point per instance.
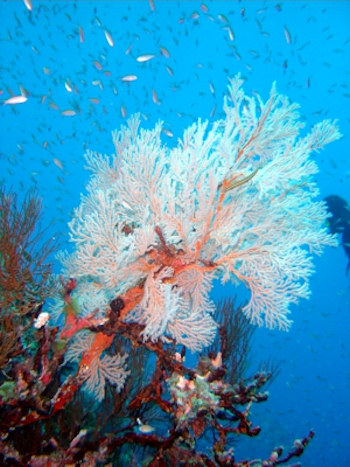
(78, 56)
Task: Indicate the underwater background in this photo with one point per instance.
(86, 66)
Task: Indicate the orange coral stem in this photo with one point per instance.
(131, 298)
(100, 343)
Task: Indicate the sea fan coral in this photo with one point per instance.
(107, 367)
(235, 200)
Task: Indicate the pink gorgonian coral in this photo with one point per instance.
(233, 200)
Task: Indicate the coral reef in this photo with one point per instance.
(236, 201)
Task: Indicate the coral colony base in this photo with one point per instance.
(234, 201)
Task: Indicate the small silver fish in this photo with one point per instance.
(129, 78)
(28, 4)
(109, 39)
(68, 113)
(144, 58)
(16, 100)
(287, 35)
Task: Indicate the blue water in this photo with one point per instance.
(303, 46)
